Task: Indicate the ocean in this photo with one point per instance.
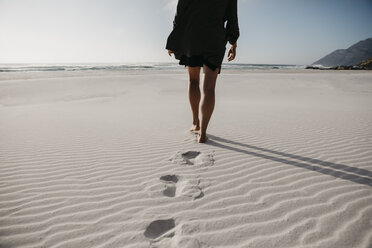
(132, 66)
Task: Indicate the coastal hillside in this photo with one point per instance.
(367, 64)
(353, 55)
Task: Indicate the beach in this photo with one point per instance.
(105, 159)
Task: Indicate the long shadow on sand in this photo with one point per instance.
(345, 172)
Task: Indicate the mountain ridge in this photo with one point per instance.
(351, 56)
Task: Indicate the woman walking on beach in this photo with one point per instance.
(199, 39)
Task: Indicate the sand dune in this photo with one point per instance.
(104, 159)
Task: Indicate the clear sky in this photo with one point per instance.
(83, 31)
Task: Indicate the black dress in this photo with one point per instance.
(199, 33)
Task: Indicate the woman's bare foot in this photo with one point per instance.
(195, 128)
(202, 138)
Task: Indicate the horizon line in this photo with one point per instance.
(117, 63)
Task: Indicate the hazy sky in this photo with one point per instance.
(80, 31)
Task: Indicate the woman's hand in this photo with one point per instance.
(232, 53)
(170, 52)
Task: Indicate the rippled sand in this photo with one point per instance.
(105, 159)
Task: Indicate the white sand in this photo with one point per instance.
(104, 159)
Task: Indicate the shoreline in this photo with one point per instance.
(54, 74)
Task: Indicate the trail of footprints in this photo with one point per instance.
(161, 232)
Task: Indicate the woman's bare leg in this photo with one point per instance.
(207, 105)
(194, 96)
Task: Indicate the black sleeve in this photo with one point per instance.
(232, 26)
(179, 10)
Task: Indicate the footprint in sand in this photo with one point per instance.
(170, 185)
(190, 156)
(162, 234)
(193, 158)
(160, 228)
(176, 186)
